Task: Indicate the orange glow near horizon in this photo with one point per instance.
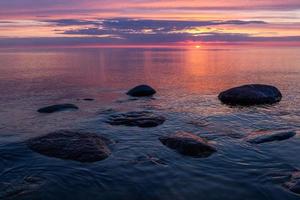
(265, 21)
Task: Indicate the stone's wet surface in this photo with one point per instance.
(69, 145)
(143, 119)
(141, 91)
(254, 94)
(57, 108)
(188, 144)
(263, 136)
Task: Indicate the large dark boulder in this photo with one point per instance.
(82, 147)
(248, 95)
(140, 118)
(141, 91)
(56, 108)
(259, 137)
(188, 144)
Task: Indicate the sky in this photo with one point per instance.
(148, 22)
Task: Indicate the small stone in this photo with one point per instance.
(295, 188)
(262, 136)
(188, 144)
(293, 184)
(88, 99)
(141, 91)
(56, 108)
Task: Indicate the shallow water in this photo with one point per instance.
(140, 167)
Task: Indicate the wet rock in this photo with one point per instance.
(262, 136)
(82, 147)
(16, 191)
(295, 188)
(56, 108)
(141, 91)
(248, 95)
(88, 99)
(153, 159)
(188, 144)
(199, 123)
(141, 119)
(19, 189)
(294, 183)
(107, 111)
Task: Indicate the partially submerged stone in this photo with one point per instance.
(57, 107)
(254, 94)
(141, 91)
(263, 136)
(295, 188)
(88, 99)
(141, 119)
(293, 184)
(188, 144)
(78, 146)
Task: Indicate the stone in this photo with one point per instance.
(88, 99)
(56, 108)
(258, 137)
(293, 184)
(188, 144)
(295, 188)
(143, 119)
(69, 145)
(141, 91)
(248, 95)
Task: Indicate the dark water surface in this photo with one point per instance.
(140, 167)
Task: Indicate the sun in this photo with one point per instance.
(197, 46)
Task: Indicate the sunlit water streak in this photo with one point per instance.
(140, 167)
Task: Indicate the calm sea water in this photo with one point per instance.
(140, 167)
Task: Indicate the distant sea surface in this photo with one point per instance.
(188, 82)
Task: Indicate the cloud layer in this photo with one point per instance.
(148, 21)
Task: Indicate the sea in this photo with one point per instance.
(187, 81)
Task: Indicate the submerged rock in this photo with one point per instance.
(56, 108)
(294, 183)
(20, 188)
(141, 91)
(254, 94)
(153, 159)
(259, 137)
(188, 144)
(141, 119)
(295, 188)
(82, 147)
